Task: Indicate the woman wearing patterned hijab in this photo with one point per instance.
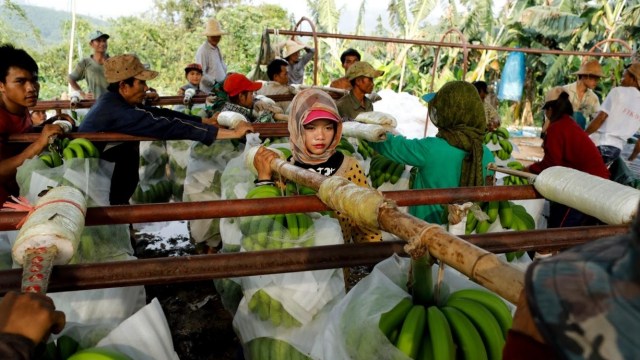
(456, 156)
(315, 129)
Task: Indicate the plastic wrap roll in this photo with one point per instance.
(57, 220)
(369, 132)
(610, 202)
(230, 119)
(359, 203)
(377, 118)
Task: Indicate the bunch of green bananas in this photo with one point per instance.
(382, 169)
(515, 180)
(158, 192)
(472, 323)
(512, 216)
(500, 136)
(345, 147)
(365, 149)
(270, 309)
(266, 348)
(278, 231)
(96, 353)
(68, 149)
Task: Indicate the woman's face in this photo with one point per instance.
(318, 135)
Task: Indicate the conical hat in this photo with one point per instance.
(291, 47)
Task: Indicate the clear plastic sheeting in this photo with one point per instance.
(608, 201)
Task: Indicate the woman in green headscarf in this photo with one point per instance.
(456, 156)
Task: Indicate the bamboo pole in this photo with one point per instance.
(370, 209)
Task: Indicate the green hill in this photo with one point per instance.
(42, 28)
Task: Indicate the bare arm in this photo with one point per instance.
(75, 86)
(597, 122)
(8, 166)
(635, 152)
(241, 130)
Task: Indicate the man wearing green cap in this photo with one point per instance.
(90, 68)
(360, 75)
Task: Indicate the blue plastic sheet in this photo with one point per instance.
(512, 82)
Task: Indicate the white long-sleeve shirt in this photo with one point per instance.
(213, 66)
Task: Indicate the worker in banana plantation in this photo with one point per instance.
(493, 118)
(278, 84)
(297, 62)
(91, 68)
(585, 102)
(360, 75)
(583, 303)
(566, 144)
(241, 93)
(456, 156)
(619, 117)
(347, 58)
(120, 110)
(19, 90)
(315, 130)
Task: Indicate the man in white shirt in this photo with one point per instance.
(619, 117)
(210, 58)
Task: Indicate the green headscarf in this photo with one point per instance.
(458, 113)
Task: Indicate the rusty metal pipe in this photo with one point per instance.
(205, 267)
(265, 130)
(447, 44)
(126, 214)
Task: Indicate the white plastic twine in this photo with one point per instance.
(606, 200)
(369, 132)
(56, 220)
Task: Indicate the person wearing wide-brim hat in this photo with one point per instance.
(360, 74)
(584, 101)
(91, 68)
(583, 303)
(291, 52)
(121, 110)
(214, 69)
(619, 117)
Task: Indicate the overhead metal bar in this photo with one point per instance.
(446, 44)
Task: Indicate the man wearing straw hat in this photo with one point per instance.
(619, 117)
(291, 53)
(214, 69)
(584, 101)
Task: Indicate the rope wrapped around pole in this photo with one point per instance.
(369, 208)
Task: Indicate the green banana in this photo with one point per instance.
(264, 304)
(56, 158)
(46, 158)
(487, 138)
(346, 145)
(502, 132)
(492, 210)
(67, 346)
(96, 353)
(516, 165)
(412, 331)
(467, 337)
(265, 224)
(510, 256)
(485, 323)
(396, 173)
(422, 281)
(506, 214)
(87, 146)
(440, 334)
(362, 149)
(482, 227)
(275, 312)
(263, 191)
(392, 319)
(292, 225)
(77, 149)
(426, 348)
(471, 223)
(492, 302)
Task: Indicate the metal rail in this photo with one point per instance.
(206, 267)
(127, 214)
(447, 44)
